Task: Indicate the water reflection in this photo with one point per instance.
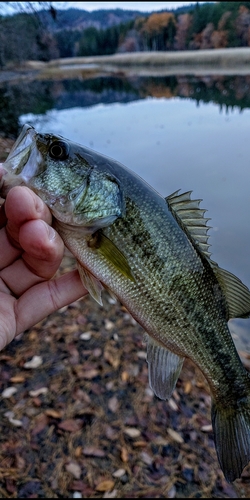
(182, 132)
(38, 97)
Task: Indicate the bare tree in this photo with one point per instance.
(29, 7)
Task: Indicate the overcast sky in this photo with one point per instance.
(6, 7)
(142, 6)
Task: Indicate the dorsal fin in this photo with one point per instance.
(236, 293)
(188, 213)
(192, 217)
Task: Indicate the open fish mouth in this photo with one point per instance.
(22, 161)
(21, 148)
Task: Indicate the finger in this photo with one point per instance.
(47, 297)
(43, 252)
(3, 218)
(22, 205)
(8, 253)
(43, 248)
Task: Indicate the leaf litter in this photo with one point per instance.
(83, 422)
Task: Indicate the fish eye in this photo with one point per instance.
(59, 150)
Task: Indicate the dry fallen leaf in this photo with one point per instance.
(92, 451)
(9, 415)
(124, 454)
(113, 404)
(207, 428)
(17, 379)
(172, 404)
(74, 469)
(187, 387)
(175, 436)
(70, 425)
(40, 423)
(37, 392)
(89, 374)
(124, 376)
(132, 432)
(110, 494)
(106, 485)
(53, 413)
(146, 458)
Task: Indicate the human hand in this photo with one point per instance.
(30, 254)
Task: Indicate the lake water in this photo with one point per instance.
(195, 138)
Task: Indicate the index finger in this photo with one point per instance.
(22, 205)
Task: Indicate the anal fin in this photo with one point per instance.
(164, 368)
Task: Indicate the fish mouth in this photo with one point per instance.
(22, 162)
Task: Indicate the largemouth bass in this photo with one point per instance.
(152, 254)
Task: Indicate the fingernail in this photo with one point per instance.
(51, 233)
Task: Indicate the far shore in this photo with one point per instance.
(236, 60)
(230, 61)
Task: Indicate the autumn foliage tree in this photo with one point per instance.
(158, 31)
(243, 25)
(203, 25)
(182, 28)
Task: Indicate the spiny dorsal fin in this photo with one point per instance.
(236, 293)
(192, 217)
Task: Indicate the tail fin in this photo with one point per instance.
(232, 437)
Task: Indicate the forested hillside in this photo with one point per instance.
(75, 32)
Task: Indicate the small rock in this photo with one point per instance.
(109, 325)
(35, 362)
(7, 393)
(119, 473)
(86, 336)
(142, 354)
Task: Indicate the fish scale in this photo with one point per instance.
(152, 254)
(151, 287)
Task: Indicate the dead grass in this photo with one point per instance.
(224, 61)
(232, 57)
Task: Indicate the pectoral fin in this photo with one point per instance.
(109, 250)
(164, 368)
(93, 285)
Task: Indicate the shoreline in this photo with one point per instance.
(219, 61)
(225, 57)
(229, 61)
